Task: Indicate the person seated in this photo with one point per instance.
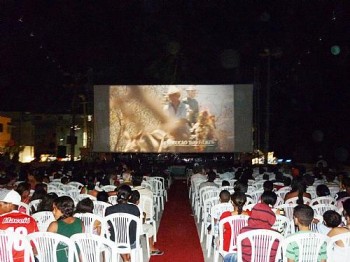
(23, 189)
(339, 253)
(322, 190)
(210, 181)
(147, 228)
(225, 183)
(268, 186)
(86, 205)
(298, 190)
(303, 217)
(238, 200)
(261, 217)
(331, 220)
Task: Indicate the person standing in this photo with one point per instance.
(192, 103)
(13, 221)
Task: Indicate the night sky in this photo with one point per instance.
(51, 50)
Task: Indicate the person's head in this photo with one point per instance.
(331, 218)
(241, 187)
(287, 181)
(345, 184)
(85, 206)
(102, 196)
(346, 209)
(238, 200)
(137, 179)
(65, 180)
(9, 200)
(46, 203)
(303, 215)
(135, 197)
(298, 185)
(308, 179)
(124, 193)
(174, 95)
(63, 207)
(330, 176)
(269, 198)
(268, 186)
(261, 217)
(211, 176)
(322, 190)
(224, 196)
(191, 91)
(23, 189)
(225, 183)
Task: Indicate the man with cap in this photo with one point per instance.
(192, 103)
(13, 221)
(180, 111)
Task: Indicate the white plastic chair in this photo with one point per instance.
(283, 225)
(95, 248)
(113, 200)
(108, 188)
(83, 196)
(73, 193)
(146, 204)
(323, 200)
(33, 205)
(24, 208)
(206, 214)
(321, 208)
(43, 219)
(288, 209)
(236, 223)
(47, 244)
(294, 200)
(88, 220)
(256, 195)
(336, 253)
(309, 245)
(283, 191)
(100, 207)
(205, 193)
(11, 241)
(68, 187)
(120, 224)
(261, 242)
(76, 184)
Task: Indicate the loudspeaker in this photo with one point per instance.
(61, 151)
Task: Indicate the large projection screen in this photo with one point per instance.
(173, 118)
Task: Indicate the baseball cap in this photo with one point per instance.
(10, 196)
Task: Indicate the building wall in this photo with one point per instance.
(5, 131)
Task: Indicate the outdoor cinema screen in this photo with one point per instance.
(173, 118)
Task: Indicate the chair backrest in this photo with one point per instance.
(256, 195)
(288, 209)
(307, 245)
(13, 245)
(68, 187)
(108, 188)
(73, 193)
(78, 185)
(53, 247)
(94, 248)
(43, 219)
(206, 194)
(283, 191)
(100, 207)
(89, 221)
(294, 200)
(323, 200)
(24, 208)
(321, 208)
(261, 243)
(250, 201)
(236, 223)
(282, 225)
(33, 205)
(122, 227)
(146, 204)
(113, 199)
(83, 196)
(337, 253)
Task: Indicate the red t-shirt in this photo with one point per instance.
(19, 223)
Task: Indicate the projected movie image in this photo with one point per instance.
(171, 118)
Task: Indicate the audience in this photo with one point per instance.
(210, 181)
(298, 190)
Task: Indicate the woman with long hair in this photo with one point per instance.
(238, 200)
(298, 190)
(66, 224)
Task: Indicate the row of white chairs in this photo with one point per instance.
(92, 247)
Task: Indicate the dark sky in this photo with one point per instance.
(51, 49)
